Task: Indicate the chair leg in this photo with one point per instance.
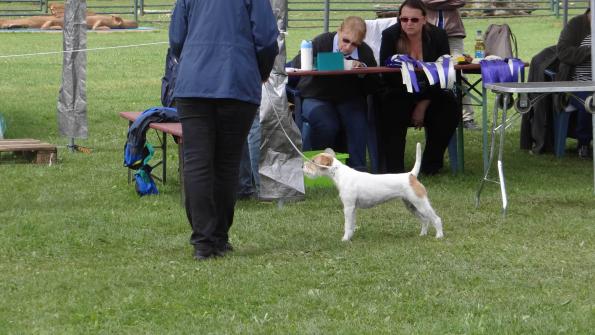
(560, 132)
(306, 144)
(372, 136)
(453, 154)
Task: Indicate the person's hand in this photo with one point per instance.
(357, 63)
(419, 113)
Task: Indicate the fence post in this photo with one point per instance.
(557, 9)
(142, 7)
(135, 7)
(565, 11)
(327, 9)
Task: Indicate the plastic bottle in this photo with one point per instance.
(306, 55)
(480, 46)
(2, 127)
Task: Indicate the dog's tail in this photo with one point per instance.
(417, 165)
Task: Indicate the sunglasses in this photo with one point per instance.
(407, 19)
(347, 41)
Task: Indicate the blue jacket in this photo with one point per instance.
(226, 48)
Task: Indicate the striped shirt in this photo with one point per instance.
(582, 72)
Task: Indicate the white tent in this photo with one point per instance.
(72, 100)
(280, 167)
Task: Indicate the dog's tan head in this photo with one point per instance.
(320, 164)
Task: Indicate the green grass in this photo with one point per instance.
(81, 253)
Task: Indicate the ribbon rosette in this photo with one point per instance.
(440, 72)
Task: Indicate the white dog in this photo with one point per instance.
(364, 190)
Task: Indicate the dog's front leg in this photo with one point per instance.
(349, 212)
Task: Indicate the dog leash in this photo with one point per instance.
(285, 132)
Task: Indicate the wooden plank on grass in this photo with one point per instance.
(27, 147)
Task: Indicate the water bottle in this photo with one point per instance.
(2, 127)
(306, 55)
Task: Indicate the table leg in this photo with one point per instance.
(164, 160)
(129, 170)
(460, 148)
(501, 179)
(593, 124)
(181, 169)
(460, 168)
(484, 127)
(489, 161)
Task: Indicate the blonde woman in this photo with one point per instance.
(334, 105)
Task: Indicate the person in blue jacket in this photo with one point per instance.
(226, 50)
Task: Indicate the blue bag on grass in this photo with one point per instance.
(144, 183)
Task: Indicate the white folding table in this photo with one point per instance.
(522, 104)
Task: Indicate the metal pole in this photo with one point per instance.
(565, 12)
(592, 13)
(135, 9)
(327, 9)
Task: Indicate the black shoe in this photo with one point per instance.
(429, 171)
(201, 255)
(471, 125)
(245, 196)
(584, 152)
(225, 248)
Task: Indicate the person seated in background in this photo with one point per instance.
(433, 108)
(332, 102)
(574, 53)
(445, 14)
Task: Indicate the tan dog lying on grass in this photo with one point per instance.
(364, 190)
(106, 22)
(40, 22)
(94, 22)
(56, 21)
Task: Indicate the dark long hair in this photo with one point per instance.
(403, 42)
(417, 4)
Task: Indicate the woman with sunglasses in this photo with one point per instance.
(334, 105)
(433, 108)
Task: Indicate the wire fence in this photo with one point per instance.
(305, 13)
(329, 13)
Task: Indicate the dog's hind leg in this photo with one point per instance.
(424, 211)
(424, 221)
(349, 212)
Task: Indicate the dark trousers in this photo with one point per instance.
(584, 125)
(440, 122)
(214, 131)
(326, 118)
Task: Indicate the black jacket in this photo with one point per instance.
(536, 126)
(336, 88)
(569, 50)
(434, 44)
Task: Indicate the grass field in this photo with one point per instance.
(80, 253)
